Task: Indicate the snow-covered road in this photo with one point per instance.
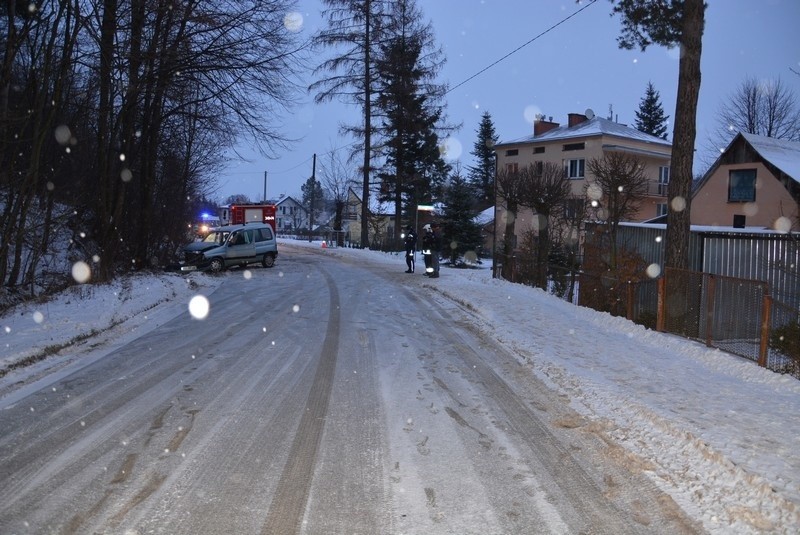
(335, 393)
(324, 397)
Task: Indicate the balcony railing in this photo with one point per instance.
(656, 188)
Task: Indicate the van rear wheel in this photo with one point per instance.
(217, 265)
(268, 261)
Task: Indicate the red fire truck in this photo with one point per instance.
(236, 214)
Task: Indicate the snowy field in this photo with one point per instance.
(716, 432)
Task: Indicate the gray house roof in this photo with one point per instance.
(286, 199)
(596, 126)
(783, 154)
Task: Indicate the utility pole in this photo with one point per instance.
(265, 187)
(367, 125)
(313, 194)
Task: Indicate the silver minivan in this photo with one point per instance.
(232, 245)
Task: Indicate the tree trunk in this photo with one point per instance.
(106, 225)
(680, 185)
(367, 128)
(19, 241)
(542, 250)
(508, 241)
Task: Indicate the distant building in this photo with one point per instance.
(755, 183)
(485, 219)
(291, 216)
(572, 146)
(380, 226)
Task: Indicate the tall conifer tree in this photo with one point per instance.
(462, 235)
(673, 23)
(481, 175)
(354, 28)
(409, 113)
(650, 117)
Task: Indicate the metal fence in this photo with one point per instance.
(762, 255)
(784, 339)
(724, 312)
(733, 314)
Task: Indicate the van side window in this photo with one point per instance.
(264, 234)
(242, 237)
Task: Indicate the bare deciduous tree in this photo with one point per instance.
(510, 191)
(144, 97)
(621, 185)
(765, 108)
(545, 190)
(37, 60)
(338, 178)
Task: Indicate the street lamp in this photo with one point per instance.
(422, 208)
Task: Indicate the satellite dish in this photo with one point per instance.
(589, 113)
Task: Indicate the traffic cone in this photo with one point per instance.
(324, 245)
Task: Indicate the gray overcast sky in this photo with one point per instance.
(569, 69)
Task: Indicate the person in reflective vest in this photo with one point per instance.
(430, 251)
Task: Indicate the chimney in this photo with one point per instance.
(540, 126)
(576, 119)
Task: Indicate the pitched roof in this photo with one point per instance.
(286, 198)
(596, 126)
(783, 154)
(485, 217)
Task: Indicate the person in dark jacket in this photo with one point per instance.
(411, 248)
(427, 248)
(431, 245)
(437, 248)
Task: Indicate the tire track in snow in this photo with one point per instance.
(289, 503)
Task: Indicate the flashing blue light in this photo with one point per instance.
(204, 216)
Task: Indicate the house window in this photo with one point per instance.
(661, 209)
(574, 209)
(575, 168)
(512, 152)
(538, 150)
(512, 167)
(663, 180)
(742, 185)
(574, 146)
(538, 167)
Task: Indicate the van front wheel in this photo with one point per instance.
(268, 261)
(217, 265)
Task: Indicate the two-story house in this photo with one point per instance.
(755, 183)
(584, 137)
(379, 227)
(291, 216)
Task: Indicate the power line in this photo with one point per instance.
(548, 30)
(545, 32)
(304, 162)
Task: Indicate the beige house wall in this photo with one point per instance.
(594, 148)
(653, 157)
(710, 205)
(379, 227)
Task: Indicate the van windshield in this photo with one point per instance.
(216, 237)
